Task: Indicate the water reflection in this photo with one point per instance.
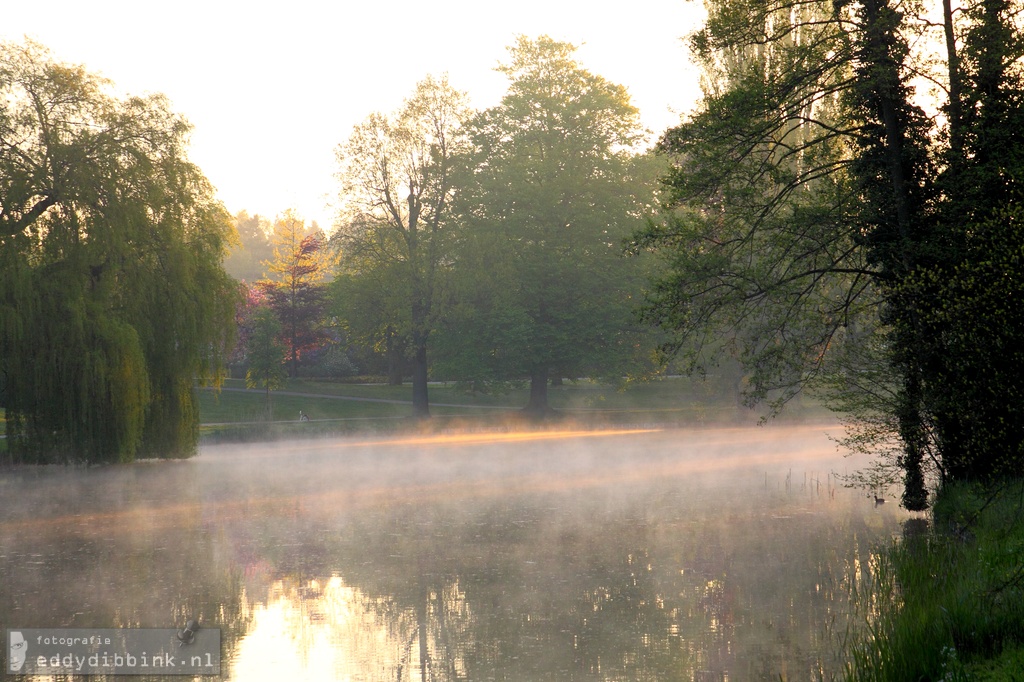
(721, 554)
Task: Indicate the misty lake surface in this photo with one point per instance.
(689, 554)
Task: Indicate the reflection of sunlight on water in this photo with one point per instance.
(337, 632)
(698, 554)
(326, 634)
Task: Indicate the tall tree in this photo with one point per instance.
(295, 286)
(757, 229)
(549, 195)
(971, 336)
(397, 183)
(113, 299)
(895, 179)
(808, 215)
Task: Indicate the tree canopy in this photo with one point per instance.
(113, 299)
(295, 287)
(821, 218)
(396, 188)
(246, 258)
(552, 185)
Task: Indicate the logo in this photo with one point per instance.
(18, 648)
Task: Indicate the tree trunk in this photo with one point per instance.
(956, 116)
(538, 405)
(915, 495)
(420, 334)
(420, 400)
(881, 51)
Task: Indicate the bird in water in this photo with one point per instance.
(188, 635)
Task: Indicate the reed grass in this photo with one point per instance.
(949, 604)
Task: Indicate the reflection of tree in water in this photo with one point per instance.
(349, 576)
(511, 593)
(330, 624)
(595, 586)
(104, 548)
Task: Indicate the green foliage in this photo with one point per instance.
(113, 300)
(762, 255)
(266, 353)
(371, 303)
(943, 603)
(976, 344)
(397, 186)
(824, 230)
(551, 189)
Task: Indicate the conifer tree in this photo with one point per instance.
(295, 287)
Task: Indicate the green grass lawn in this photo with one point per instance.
(668, 400)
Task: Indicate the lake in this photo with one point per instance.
(637, 554)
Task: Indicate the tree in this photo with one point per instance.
(246, 259)
(397, 184)
(113, 300)
(758, 200)
(266, 354)
(550, 192)
(808, 214)
(295, 288)
(972, 335)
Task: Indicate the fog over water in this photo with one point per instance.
(691, 554)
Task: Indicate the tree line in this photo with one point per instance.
(483, 247)
(817, 218)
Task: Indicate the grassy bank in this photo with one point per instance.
(234, 414)
(947, 603)
(343, 408)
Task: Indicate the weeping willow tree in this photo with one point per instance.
(113, 299)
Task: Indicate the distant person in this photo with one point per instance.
(303, 417)
(18, 649)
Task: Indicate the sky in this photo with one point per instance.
(272, 88)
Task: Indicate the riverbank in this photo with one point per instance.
(235, 414)
(331, 408)
(947, 603)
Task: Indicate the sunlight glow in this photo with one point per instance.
(501, 437)
(272, 89)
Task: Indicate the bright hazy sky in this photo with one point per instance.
(273, 88)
